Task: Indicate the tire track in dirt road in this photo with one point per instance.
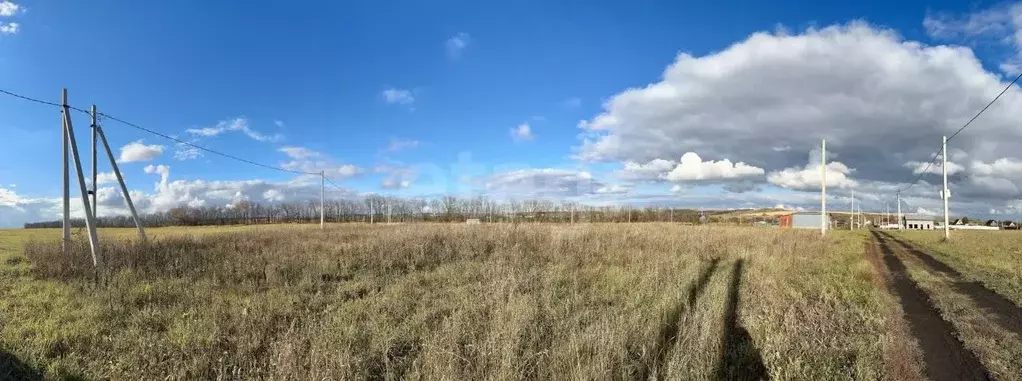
(1005, 312)
(944, 355)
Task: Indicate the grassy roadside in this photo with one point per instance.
(991, 257)
(453, 301)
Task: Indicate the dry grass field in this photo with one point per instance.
(420, 301)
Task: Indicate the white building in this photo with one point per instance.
(917, 222)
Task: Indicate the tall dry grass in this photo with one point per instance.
(454, 302)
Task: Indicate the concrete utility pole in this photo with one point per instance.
(823, 187)
(851, 218)
(120, 180)
(946, 193)
(388, 212)
(899, 211)
(66, 224)
(90, 223)
(92, 113)
(322, 198)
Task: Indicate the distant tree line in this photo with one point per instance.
(399, 210)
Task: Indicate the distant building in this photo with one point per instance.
(917, 222)
(803, 220)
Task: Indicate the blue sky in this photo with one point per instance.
(426, 94)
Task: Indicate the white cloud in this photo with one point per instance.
(808, 177)
(9, 28)
(999, 26)
(136, 151)
(934, 168)
(522, 132)
(236, 124)
(612, 189)
(397, 96)
(653, 170)
(394, 183)
(456, 44)
(299, 152)
(921, 210)
(1006, 167)
(8, 9)
(880, 102)
(309, 161)
(186, 153)
(693, 168)
(541, 182)
(399, 145)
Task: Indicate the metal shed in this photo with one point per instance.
(804, 220)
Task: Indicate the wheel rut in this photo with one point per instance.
(945, 357)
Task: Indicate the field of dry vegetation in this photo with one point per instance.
(444, 301)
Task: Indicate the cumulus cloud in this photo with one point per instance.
(236, 124)
(397, 96)
(9, 28)
(137, 151)
(8, 9)
(808, 176)
(522, 132)
(456, 44)
(693, 168)
(879, 100)
(15, 209)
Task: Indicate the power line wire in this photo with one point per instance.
(229, 156)
(937, 154)
(113, 118)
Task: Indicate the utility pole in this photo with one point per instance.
(946, 193)
(851, 220)
(92, 113)
(823, 187)
(388, 212)
(90, 223)
(372, 212)
(66, 224)
(120, 180)
(899, 211)
(322, 199)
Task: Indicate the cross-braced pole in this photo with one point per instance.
(120, 181)
(90, 223)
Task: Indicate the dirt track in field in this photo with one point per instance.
(943, 354)
(1005, 312)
